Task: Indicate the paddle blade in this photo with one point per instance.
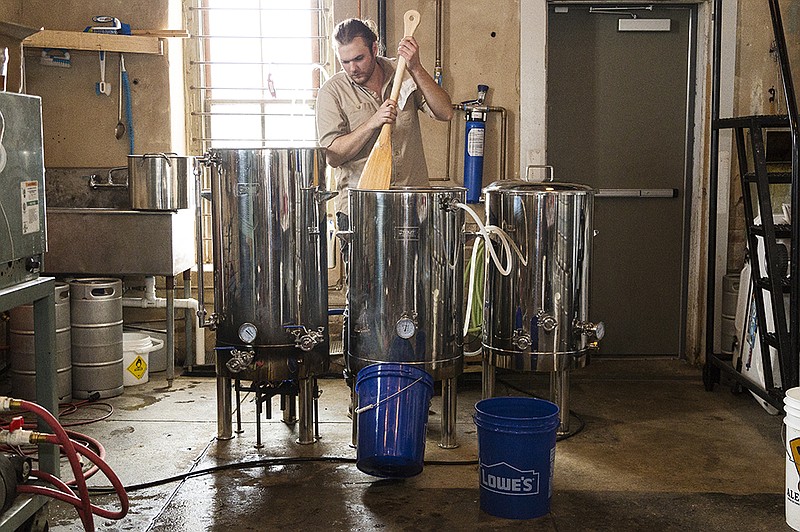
(377, 174)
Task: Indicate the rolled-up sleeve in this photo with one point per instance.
(331, 119)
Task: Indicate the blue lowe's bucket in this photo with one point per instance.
(516, 452)
(393, 403)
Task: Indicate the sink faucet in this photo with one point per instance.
(95, 183)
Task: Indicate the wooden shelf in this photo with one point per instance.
(96, 42)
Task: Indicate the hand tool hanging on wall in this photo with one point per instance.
(102, 87)
(119, 129)
(377, 174)
(126, 88)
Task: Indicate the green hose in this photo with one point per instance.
(475, 310)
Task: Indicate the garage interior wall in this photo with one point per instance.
(479, 46)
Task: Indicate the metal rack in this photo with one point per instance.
(40, 292)
(776, 331)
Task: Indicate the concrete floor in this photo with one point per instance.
(657, 452)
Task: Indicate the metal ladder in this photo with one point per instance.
(780, 327)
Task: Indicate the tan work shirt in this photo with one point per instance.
(343, 105)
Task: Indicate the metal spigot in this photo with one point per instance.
(306, 339)
(240, 360)
(521, 339)
(547, 322)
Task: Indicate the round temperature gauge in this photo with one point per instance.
(405, 328)
(247, 333)
(600, 330)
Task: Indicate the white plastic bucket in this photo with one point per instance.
(792, 448)
(136, 348)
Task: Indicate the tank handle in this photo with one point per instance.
(548, 178)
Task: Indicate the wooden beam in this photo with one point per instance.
(76, 40)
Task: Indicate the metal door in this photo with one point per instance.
(618, 120)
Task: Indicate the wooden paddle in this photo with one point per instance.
(377, 173)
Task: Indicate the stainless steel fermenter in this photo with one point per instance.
(536, 318)
(406, 279)
(270, 258)
(270, 279)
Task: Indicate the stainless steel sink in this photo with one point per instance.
(119, 242)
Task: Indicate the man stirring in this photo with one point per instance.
(353, 105)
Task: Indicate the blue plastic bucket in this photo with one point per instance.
(393, 403)
(516, 454)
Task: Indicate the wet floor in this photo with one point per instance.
(656, 452)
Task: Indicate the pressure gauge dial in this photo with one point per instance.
(600, 330)
(405, 328)
(247, 333)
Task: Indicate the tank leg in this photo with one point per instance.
(237, 386)
(259, 410)
(449, 404)
(487, 378)
(290, 408)
(306, 399)
(224, 408)
(559, 394)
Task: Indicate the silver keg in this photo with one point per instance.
(270, 258)
(23, 351)
(96, 316)
(536, 318)
(406, 282)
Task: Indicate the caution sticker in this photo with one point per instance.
(138, 367)
(29, 192)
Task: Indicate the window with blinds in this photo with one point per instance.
(254, 74)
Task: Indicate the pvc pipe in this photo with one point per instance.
(160, 302)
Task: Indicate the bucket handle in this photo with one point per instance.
(158, 343)
(395, 394)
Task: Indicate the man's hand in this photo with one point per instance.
(386, 114)
(437, 98)
(344, 148)
(409, 50)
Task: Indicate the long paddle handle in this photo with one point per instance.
(410, 23)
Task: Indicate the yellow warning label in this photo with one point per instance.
(138, 367)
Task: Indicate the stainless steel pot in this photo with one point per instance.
(537, 318)
(161, 181)
(406, 279)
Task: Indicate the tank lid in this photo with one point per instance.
(519, 186)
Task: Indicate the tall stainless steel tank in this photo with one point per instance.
(270, 264)
(406, 279)
(536, 318)
(406, 286)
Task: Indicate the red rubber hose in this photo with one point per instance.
(61, 438)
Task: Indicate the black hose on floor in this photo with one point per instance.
(265, 462)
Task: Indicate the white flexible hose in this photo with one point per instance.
(486, 231)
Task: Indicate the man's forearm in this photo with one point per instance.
(346, 147)
(437, 98)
